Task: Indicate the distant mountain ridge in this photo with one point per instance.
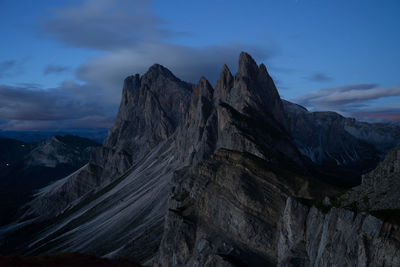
(336, 142)
(27, 167)
(97, 135)
(192, 175)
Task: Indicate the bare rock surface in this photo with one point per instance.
(224, 211)
(151, 108)
(358, 228)
(340, 237)
(188, 176)
(380, 188)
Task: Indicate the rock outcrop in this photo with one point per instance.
(358, 228)
(58, 150)
(379, 189)
(152, 107)
(339, 237)
(250, 113)
(224, 210)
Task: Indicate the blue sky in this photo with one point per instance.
(62, 62)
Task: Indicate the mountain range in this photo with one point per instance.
(28, 167)
(97, 135)
(191, 175)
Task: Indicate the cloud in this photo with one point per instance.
(355, 100)
(134, 39)
(319, 77)
(388, 113)
(349, 95)
(50, 69)
(105, 24)
(25, 108)
(131, 39)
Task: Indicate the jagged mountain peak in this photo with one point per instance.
(158, 68)
(154, 74)
(152, 105)
(224, 84)
(158, 72)
(247, 65)
(251, 90)
(202, 92)
(204, 87)
(263, 68)
(131, 82)
(225, 69)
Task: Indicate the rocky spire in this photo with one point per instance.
(250, 101)
(247, 66)
(201, 102)
(157, 71)
(204, 88)
(224, 84)
(132, 82)
(197, 136)
(252, 89)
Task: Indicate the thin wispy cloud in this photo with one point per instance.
(387, 113)
(52, 108)
(355, 100)
(352, 94)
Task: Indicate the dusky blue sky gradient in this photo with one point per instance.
(69, 57)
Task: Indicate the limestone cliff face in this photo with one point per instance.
(250, 113)
(225, 204)
(340, 237)
(244, 113)
(358, 228)
(225, 211)
(152, 107)
(196, 138)
(379, 188)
